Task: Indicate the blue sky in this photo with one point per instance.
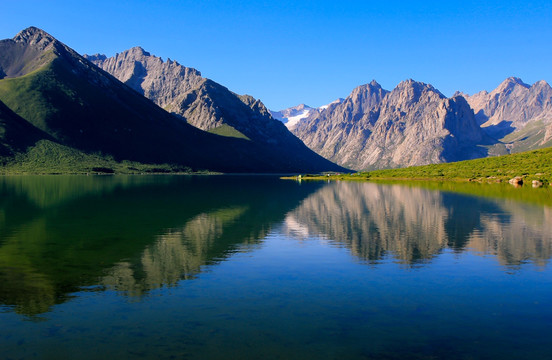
(291, 52)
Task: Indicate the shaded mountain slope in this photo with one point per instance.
(16, 134)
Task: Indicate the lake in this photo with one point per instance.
(239, 267)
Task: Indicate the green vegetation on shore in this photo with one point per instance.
(531, 165)
(48, 157)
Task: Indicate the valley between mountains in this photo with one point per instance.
(65, 112)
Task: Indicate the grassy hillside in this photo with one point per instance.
(49, 157)
(531, 165)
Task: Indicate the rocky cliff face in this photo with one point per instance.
(412, 125)
(181, 90)
(163, 81)
(519, 114)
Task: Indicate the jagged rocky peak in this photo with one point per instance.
(35, 37)
(541, 83)
(202, 102)
(40, 41)
(361, 100)
(416, 88)
(511, 82)
(162, 81)
(410, 93)
(96, 57)
(137, 51)
(30, 50)
(543, 87)
(363, 90)
(301, 107)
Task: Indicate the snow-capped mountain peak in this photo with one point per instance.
(293, 115)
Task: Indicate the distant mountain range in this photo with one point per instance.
(414, 124)
(57, 96)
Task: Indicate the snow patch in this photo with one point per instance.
(293, 120)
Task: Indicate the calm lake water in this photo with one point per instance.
(236, 267)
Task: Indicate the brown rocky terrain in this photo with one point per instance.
(412, 125)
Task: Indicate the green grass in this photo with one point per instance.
(531, 165)
(48, 157)
(15, 93)
(228, 131)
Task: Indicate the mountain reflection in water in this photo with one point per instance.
(413, 225)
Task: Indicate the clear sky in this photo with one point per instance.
(302, 51)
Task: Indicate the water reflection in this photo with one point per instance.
(59, 234)
(414, 225)
(134, 234)
(177, 254)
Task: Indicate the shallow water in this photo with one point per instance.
(256, 267)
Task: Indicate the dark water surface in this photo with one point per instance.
(224, 267)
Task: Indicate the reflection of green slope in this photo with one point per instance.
(46, 191)
(162, 228)
(525, 194)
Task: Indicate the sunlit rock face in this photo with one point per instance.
(413, 225)
(412, 125)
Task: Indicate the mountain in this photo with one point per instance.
(293, 115)
(412, 125)
(208, 105)
(518, 114)
(78, 105)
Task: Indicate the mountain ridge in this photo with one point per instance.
(513, 117)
